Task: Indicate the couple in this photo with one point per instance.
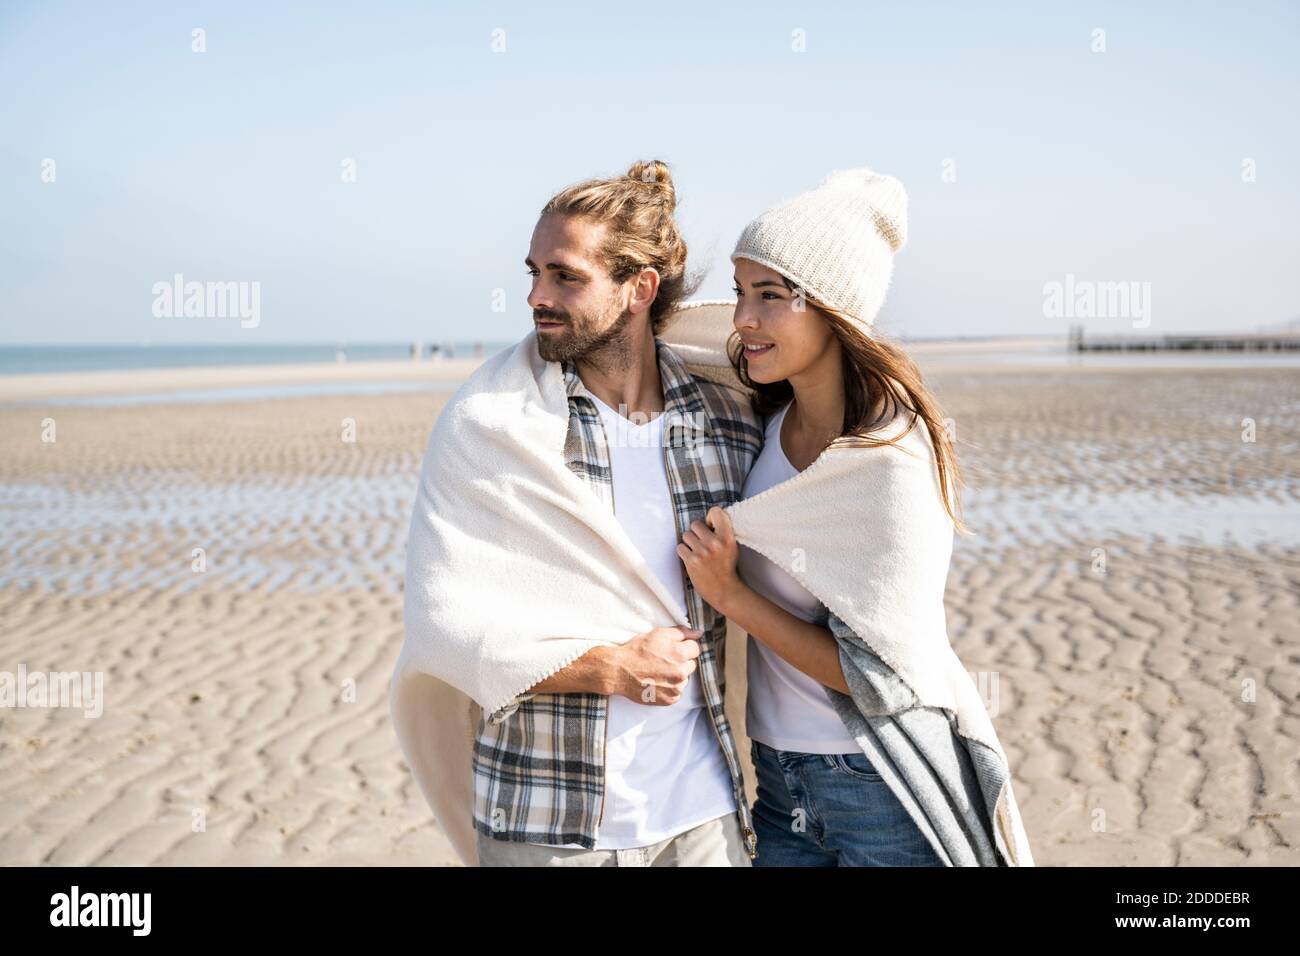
(596, 502)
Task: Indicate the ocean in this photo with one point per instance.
(34, 359)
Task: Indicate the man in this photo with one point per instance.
(625, 756)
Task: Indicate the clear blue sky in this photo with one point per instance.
(225, 165)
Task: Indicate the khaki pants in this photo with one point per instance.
(715, 843)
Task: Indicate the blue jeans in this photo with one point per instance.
(830, 810)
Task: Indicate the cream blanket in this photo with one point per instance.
(515, 568)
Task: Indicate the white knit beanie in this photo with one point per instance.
(835, 242)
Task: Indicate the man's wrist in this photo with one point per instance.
(608, 669)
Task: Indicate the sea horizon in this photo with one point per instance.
(45, 358)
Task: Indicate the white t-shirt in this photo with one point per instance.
(786, 709)
(665, 771)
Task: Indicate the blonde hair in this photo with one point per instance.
(638, 207)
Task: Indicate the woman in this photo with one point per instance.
(810, 277)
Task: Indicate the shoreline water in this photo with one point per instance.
(45, 359)
(36, 387)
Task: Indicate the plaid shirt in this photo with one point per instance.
(539, 761)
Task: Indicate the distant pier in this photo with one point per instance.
(1186, 342)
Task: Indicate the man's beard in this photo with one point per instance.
(581, 340)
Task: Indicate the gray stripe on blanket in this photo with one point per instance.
(948, 784)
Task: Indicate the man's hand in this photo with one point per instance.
(653, 668)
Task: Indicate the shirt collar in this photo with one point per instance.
(681, 391)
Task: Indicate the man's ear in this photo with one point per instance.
(645, 286)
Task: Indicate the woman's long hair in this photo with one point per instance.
(880, 382)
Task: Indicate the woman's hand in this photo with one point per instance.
(710, 553)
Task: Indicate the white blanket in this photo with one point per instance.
(515, 568)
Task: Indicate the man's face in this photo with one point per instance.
(577, 307)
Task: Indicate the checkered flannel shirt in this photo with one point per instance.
(539, 761)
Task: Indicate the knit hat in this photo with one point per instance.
(835, 242)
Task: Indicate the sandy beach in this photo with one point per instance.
(234, 569)
(98, 384)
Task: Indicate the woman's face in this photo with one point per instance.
(791, 338)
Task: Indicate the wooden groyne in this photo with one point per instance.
(1186, 342)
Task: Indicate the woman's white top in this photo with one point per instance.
(786, 709)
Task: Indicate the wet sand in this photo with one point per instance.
(97, 383)
(1133, 589)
